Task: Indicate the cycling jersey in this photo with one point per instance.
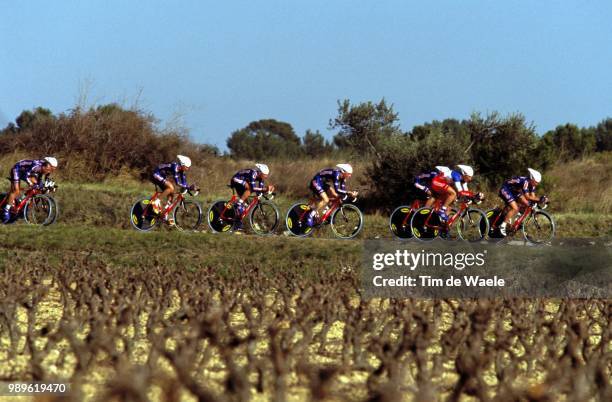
(162, 171)
(320, 182)
(24, 169)
(250, 177)
(423, 180)
(515, 187)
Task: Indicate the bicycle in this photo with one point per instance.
(263, 214)
(36, 207)
(345, 219)
(536, 225)
(187, 214)
(399, 221)
(426, 225)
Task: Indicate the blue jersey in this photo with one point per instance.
(334, 176)
(250, 176)
(24, 169)
(457, 179)
(423, 180)
(164, 170)
(519, 185)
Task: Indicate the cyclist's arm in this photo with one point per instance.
(421, 186)
(30, 175)
(340, 187)
(180, 178)
(257, 186)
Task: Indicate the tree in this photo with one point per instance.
(315, 145)
(571, 142)
(27, 119)
(362, 127)
(501, 146)
(603, 135)
(264, 139)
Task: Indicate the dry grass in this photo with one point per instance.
(582, 186)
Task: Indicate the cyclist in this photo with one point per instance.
(160, 178)
(30, 171)
(247, 181)
(521, 189)
(322, 190)
(436, 184)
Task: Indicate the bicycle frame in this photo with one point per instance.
(179, 197)
(31, 192)
(230, 203)
(451, 221)
(335, 204)
(525, 212)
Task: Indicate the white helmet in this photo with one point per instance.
(184, 160)
(466, 170)
(345, 167)
(535, 175)
(444, 169)
(263, 168)
(51, 161)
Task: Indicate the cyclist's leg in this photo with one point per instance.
(244, 191)
(168, 192)
(317, 201)
(12, 196)
(324, 201)
(510, 209)
(444, 192)
(450, 196)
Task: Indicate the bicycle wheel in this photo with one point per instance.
(347, 221)
(54, 209)
(417, 224)
(38, 210)
(296, 220)
(264, 218)
(399, 222)
(216, 222)
(474, 225)
(493, 215)
(539, 227)
(188, 215)
(142, 216)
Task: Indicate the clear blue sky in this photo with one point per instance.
(223, 64)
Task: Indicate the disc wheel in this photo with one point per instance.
(417, 224)
(347, 221)
(188, 215)
(399, 222)
(220, 216)
(474, 225)
(296, 220)
(38, 210)
(264, 218)
(539, 228)
(142, 216)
